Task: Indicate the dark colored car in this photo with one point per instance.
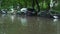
(31, 12)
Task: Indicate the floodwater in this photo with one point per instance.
(12, 24)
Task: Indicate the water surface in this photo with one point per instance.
(12, 24)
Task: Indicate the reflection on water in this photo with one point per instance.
(55, 20)
(23, 21)
(12, 24)
(3, 15)
(12, 17)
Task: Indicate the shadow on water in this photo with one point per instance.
(12, 24)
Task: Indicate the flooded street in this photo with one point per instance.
(12, 24)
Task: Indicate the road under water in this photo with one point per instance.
(12, 24)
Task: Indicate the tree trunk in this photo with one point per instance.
(37, 5)
(25, 3)
(33, 3)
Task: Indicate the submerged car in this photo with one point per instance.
(3, 11)
(28, 11)
(23, 10)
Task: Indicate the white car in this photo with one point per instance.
(24, 10)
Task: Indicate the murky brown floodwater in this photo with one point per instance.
(11, 24)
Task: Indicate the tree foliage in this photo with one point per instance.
(43, 4)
